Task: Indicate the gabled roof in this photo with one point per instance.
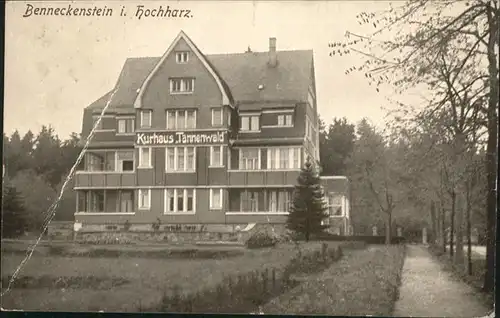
(240, 75)
(226, 100)
(244, 72)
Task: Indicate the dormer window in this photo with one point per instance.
(181, 85)
(285, 121)
(181, 57)
(125, 125)
(250, 123)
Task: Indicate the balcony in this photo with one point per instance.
(105, 202)
(110, 179)
(263, 177)
(111, 169)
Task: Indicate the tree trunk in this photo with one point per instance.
(491, 153)
(443, 227)
(433, 224)
(469, 230)
(439, 236)
(459, 253)
(442, 210)
(452, 223)
(388, 227)
(307, 231)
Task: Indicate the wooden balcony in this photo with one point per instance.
(242, 178)
(103, 179)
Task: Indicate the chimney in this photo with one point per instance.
(273, 60)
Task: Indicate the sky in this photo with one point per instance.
(55, 66)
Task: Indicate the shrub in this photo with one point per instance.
(260, 240)
(362, 238)
(156, 225)
(365, 283)
(126, 225)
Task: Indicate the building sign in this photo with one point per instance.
(180, 138)
(185, 228)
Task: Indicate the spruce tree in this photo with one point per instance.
(308, 208)
(13, 216)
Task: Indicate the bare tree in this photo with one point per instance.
(469, 28)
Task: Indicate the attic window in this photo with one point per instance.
(182, 57)
(181, 85)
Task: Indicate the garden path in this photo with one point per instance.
(428, 291)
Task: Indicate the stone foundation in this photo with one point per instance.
(178, 233)
(168, 233)
(122, 237)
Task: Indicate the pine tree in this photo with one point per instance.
(309, 208)
(13, 217)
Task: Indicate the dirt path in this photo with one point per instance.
(427, 291)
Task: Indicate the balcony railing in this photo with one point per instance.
(103, 179)
(263, 177)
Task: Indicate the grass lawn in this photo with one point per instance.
(140, 281)
(364, 282)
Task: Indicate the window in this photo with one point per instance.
(125, 125)
(335, 204)
(273, 201)
(216, 156)
(249, 159)
(279, 201)
(126, 201)
(144, 157)
(180, 159)
(296, 158)
(181, 85)
(217, 117)
(190, 158)
(181, 119)
(215, 199)
(285, 120)
(181, 57)
(96, 201)
(144, 199)
(250, 123)
(283, 158)
(249, 201)
(100, 161)
(245, 123)
(180, 200)
(310, 130)
(190, 119)
(125, 160)
(146, 118)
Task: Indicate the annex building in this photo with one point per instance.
(193, 140)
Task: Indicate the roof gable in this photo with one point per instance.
(220, 82)
(240, 75)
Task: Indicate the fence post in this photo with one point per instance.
(265, 275)
(273, 274)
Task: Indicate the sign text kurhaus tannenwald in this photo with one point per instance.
(174, 138)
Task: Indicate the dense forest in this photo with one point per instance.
(35, 168)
